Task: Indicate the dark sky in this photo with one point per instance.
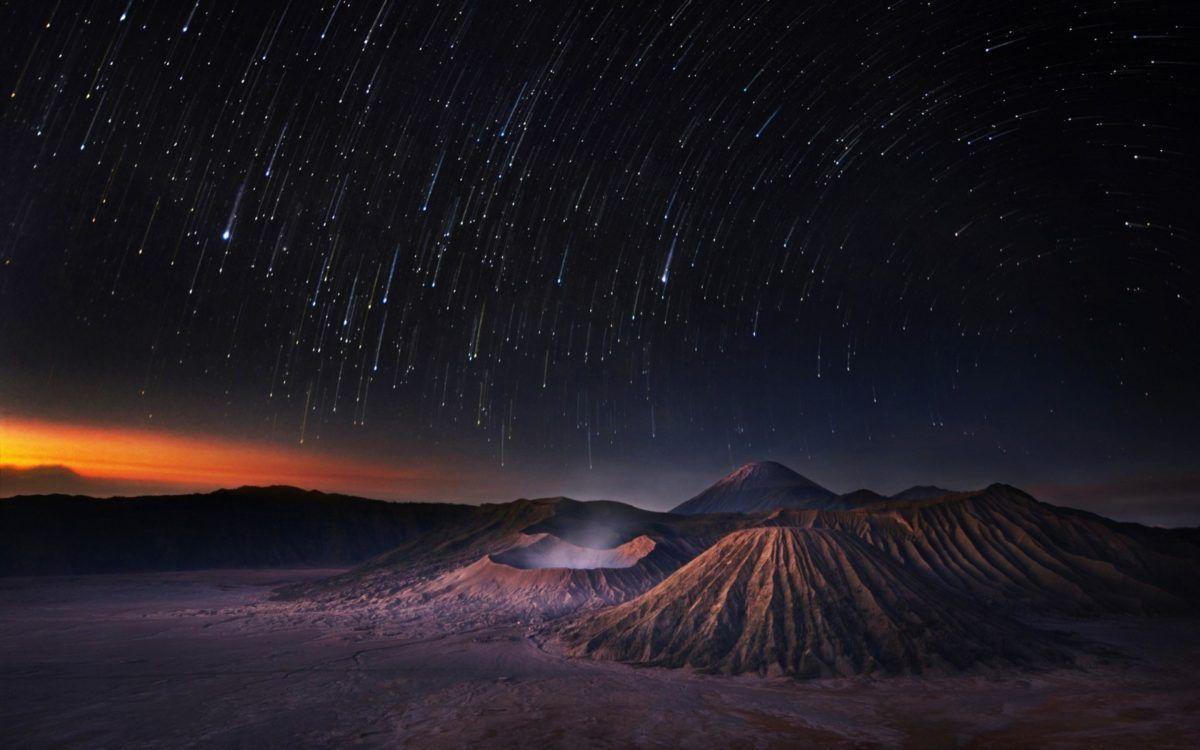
(615, 249)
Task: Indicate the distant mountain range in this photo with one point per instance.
(764, 572)
(250, 527)
(767, 485)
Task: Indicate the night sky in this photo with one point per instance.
(614, 249)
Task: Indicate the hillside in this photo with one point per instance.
(809, 603)
(250, 527)
(529, 559)
(1005, 549)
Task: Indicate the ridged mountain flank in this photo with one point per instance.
(809, 603)
(1005, 550)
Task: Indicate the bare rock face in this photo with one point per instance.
(525, 578)
(808, 603)
(548, 551)
(487, 529)
(1004, 549)
(545, 577)
(760, 486)
(529, 561)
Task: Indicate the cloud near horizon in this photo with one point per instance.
(41, 456)
(56, 479)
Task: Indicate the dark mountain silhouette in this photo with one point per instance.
(760, 486)
(921, 492)
(250, 527)
(805, 602)
(859, 499)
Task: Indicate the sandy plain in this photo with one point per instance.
(209, 659)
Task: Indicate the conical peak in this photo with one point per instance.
(759, 486)
(765, 474)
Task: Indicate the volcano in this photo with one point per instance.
(526, 561)
(808, 603)
(544, 577)
(760, 486)
(829, 585)
(1008, 551)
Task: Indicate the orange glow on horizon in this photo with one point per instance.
(142, 455)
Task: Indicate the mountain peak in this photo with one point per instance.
(862, 497)
(758, 486)
(764, 474)
(921, 492)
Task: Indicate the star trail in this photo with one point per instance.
(884, 241)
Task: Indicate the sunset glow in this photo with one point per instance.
(139, 455)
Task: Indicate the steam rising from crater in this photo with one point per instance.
(552, 552)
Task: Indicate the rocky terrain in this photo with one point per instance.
(931, 581)
(810, 603)
(1005, 549)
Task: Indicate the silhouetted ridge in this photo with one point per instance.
(921, 492)
(249, 527)
(862, 498)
